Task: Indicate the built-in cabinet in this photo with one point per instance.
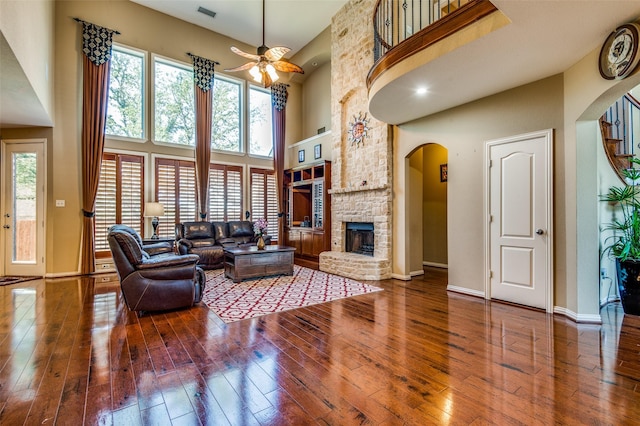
(308, 209)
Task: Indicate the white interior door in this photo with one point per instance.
(23, 207)
(520, 220)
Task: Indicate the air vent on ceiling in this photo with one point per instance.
(207, 12)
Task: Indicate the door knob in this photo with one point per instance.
(539, 231)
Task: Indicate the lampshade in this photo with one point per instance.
(153, 209)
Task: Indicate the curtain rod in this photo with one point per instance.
(192, 55)
(80, 20)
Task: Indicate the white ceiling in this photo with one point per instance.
(289, 23)
(544, 38)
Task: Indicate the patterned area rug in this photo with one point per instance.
(255, 297)
(14, 280)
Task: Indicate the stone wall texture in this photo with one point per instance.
(361, 172)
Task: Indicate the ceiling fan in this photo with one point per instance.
(265, 63)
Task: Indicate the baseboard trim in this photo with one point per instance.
(468, 291)
(401, 277)
(61, 274)
(416, 273)
(581, 318)
(435, 264)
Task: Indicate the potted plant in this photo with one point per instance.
(624, 244)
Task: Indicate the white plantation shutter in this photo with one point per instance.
(176, 190)
(264, 201)
(120, 195)
(225, 193)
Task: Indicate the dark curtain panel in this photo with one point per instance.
(279, 101)
(203, 75)
(95, 95)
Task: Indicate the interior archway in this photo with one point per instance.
(427, 207)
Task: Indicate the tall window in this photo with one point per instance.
(225, 193)
(260, 133)
(226, 134)
(174, 103)
(120, 195)
(176, 189)
(125, 113)
(264, 201)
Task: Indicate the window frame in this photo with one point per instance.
(104, 253)
(244, 147)
(250, 87)
(145, 95)
(152, 116)
(272, 225)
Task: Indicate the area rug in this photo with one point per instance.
(14, 280)
(255, 297)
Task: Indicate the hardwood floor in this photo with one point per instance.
(71, 353)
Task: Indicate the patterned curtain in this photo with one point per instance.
(203, 77)
(96, 65)
(279, 102)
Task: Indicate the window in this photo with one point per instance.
(125, 113)
(260, 134)
(122, 180)
(174, 103)
(225, 132)
(176, 189)
(225, 193)
(264, 201)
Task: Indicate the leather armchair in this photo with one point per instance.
(160, 282)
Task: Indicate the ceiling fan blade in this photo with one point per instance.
(276, 53)
(287, 67)
(246, 66)
(245, 54)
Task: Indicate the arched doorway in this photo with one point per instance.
(427, 207)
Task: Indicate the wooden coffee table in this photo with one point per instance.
(249, 262)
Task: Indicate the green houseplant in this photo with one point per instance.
(624, 244)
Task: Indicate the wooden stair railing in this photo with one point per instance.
(617, 128)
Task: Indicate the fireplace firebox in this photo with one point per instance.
(360, 238)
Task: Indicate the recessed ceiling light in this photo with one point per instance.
(207, 12)
(421, 90)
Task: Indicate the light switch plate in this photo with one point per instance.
(59, 203)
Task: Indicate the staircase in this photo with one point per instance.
(620, 126)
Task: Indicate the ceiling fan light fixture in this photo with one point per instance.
(256, 74)
(272, 73)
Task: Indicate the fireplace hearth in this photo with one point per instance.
(359, 238)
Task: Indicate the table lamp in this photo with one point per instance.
(154, 210)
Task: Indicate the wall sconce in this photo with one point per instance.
(154, 210)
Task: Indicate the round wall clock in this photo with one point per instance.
(619, 54)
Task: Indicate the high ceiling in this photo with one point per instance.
(287, 22)
(543, 38)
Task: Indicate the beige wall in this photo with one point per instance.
(27, 27)
(144, 29)
(316, 101)
(464, 131)
(434, 201)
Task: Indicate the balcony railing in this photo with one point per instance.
(420, 23)
(397, 20)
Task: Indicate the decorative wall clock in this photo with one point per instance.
(358, 129)
(619, 54)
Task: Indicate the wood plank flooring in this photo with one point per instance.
(414, 354)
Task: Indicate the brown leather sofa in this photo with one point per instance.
(208, 239)
(154, 282)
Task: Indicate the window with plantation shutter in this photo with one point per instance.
(264, 201)
(225, 192)
(176, 190)
(120, 196)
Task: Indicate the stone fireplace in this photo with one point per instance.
(361, 149)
